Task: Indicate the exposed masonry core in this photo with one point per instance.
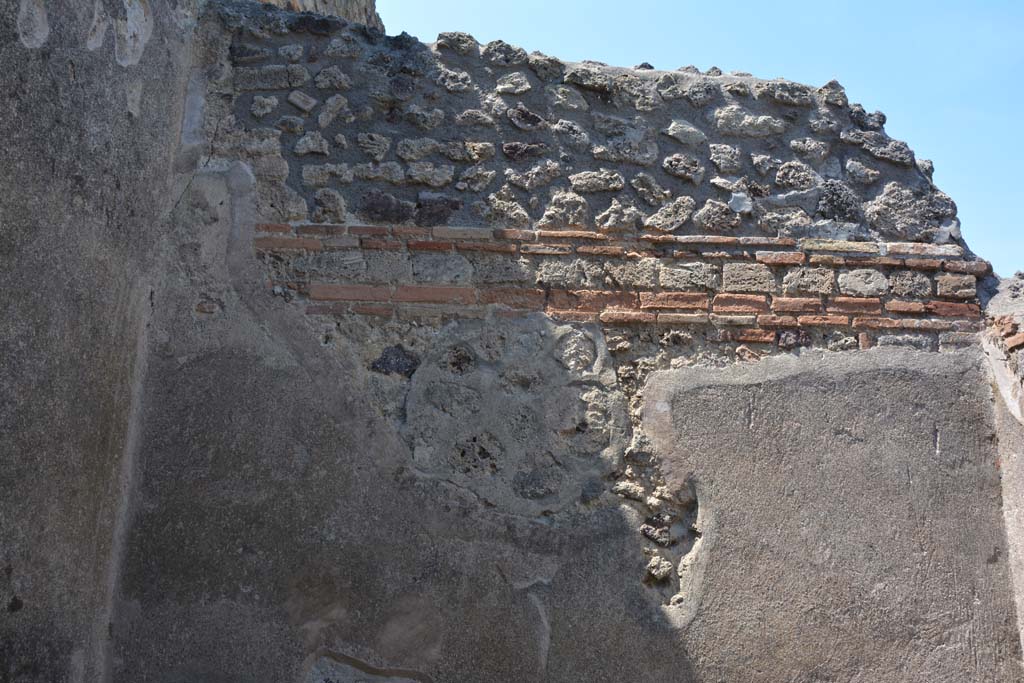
(453, 213)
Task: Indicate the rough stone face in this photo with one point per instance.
(684, 166)
(863, 282)
(956, 286)
(909, 214)
(733, 120)
(742, 277)
(716, 216)
(910, 284)
(689, 276)
(809, 281)
(672, 216)
(597, 181)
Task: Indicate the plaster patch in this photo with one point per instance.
(98, 28)
(133, 32)
(33, 24)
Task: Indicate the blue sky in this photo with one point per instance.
(947, 74)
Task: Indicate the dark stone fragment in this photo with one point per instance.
(245, 54)
(403, 87)
(403, 41)
(866, 121)
(839, 202)
(291, 124)
(791, 339)
(15, 604)
(460, 360)
(396, 361)
(435, 209)
(523, 118)
(518, 151)
(645, 66)
(315, 25)
(381, 207)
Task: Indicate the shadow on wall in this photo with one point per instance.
(285, 525)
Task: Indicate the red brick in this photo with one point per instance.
(899, 306)
(922, 264)
(279, 228)
(683, 318)
(642, 253)
(740, 303)
(573, 316)
(423, 245)
(1015, 342)
(969, 267)
(616, 317)
(723, 320)
(933, 325)
(428, 294)
(368, 231)
(591, 300)
(853, 304)
(754, 336)
(865, 341)
(658, 239)
(767, 241)
(442, 232)
(873, 262)
(381, 245)
(520, 235)
(823, 320)
(707, 239)
(287, 244)
(877, 323)
(321, 230)
(493, 247)
(902, 324)
(589, 250)
(532, 299)
(776, 321)
(829, 261)
(406, 231)
(728, 255)
(329, 292)
(683, 300)
(571, 235)
(781, 258)
(546, 249)
(946, 309)
(782, 304)
(377, 311)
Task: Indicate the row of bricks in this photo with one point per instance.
(760, 326)
(591, 300)
(318, 238)
(445, 233)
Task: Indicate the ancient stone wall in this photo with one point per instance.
(453, 363)
(404, 179)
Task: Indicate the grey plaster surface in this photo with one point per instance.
(86, 144)
(851, 517)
